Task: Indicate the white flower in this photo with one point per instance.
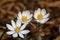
(16, 29)
(25, 16)
(41, 16)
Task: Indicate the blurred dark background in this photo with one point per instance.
(49, 31)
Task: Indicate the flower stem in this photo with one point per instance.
(39, 38)
(25, 38)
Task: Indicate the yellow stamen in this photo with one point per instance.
(24, 18)
(17, 29)
(40, 16)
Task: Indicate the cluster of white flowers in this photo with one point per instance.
(25, 17)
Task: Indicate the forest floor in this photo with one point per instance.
(49, 31)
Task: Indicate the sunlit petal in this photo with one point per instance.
(44, 20)
(13, 23)
(9, 27)
(10, 32)
(18, 23)
(21, 35)
(43, 11)
(23, 26)
(25, 31)
(15, 35)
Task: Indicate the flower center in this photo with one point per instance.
(24, 18)
(17, 29)
(40, 16)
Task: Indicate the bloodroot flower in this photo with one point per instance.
(25, 16)
(41, 16)
(16, 29)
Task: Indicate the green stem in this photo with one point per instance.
(25, 38)
(39, 38)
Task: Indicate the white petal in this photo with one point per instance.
(10, 32)
(9, 27)
(18, 23)
(28, 20)
(21, 35)
(37, 20)
(19, 15)
(47, 15)
(18, 18)
(15, 35)
(44, 20)
(13, 23)
(38, 10)
(30, 16)
(35, 14)
(23, 13)
(43, 11)
(23, 26)
(25, 31)
(26, 13)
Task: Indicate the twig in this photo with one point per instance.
(49, 4)
(33, 25)
(3, 34)
(17, 8)
(10, 6)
